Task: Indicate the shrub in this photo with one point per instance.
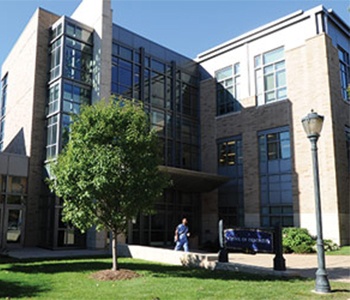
(329, 245)
(297, 240)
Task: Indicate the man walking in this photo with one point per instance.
(181, 236)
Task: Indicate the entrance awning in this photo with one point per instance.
(193, 181)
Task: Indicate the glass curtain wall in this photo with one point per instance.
(69, 86)
(170, 96)
(276, 198)
(230, 164)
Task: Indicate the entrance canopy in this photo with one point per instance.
(193, 181)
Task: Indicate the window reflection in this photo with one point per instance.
(14, 225)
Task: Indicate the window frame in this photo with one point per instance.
(272, 69)
(344, 69)
(228, 89)
(275, 180)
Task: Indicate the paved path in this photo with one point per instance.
(338, 267)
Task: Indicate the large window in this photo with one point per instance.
(270, 76)
(230, 164)
(3, 109)
(55, 66)
(51, 145)
(170, 96)
(3, 96)
(54, 97)
(347, 140)
(230, 152)
(344, 73)
(275, 177)
(78, 57)
(228, 89)
(73, 96)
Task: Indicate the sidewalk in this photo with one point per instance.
(338, 267)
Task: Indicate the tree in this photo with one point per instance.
(108, 172)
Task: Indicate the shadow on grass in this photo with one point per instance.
(13, 289)
(143, 268)
(54, 267)
(334, 273)
(147, 269)
(165, 271)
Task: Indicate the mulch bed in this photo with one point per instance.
(109, 275)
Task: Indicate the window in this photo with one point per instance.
(17, 185)
(3, 96)
(122, 77)
(78, 33)
(230, 164)
(3, 110)
(270, 76)
(158, 122)
(2, 130)
(230, 152)
(51, 145)
(78, 57)
(56, 31)
(228, 89)
(278, 145)
(347, 137)
(54, 97)
(74, 96)
(55, 59)
(275, 170)
(344, 73)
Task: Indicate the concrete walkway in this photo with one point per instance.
(338, 267)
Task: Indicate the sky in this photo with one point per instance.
(188, 27)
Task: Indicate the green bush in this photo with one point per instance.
(329, 245)
(297, 240)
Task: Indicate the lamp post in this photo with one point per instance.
(312, 124)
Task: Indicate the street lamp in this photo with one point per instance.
(312, 124)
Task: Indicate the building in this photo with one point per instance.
(259, 87)
(229, 122)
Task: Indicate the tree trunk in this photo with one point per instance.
(114, 252)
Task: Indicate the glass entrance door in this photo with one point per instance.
(12, 210)
(14, 226)
(2, 240)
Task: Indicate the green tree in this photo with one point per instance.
(108, 172)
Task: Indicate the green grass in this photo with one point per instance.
(69, 279)
(342, 251)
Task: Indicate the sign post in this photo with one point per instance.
(252, 240)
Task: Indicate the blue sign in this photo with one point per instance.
(254, 240)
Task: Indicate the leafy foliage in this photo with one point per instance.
(108, 172)
(297, 240)
(329, 245)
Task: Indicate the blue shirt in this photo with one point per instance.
(182, 231)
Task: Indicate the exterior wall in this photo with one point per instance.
(13, 165)
(308, 88)
(340, 111)
(27, 67)
(247, 123)
(312, 70)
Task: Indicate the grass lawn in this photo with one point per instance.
(342, 251)
(70, 279)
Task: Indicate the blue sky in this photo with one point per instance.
(188, 27)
